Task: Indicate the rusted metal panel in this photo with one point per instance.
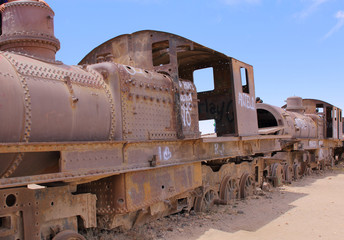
(57, 146)
(218, 104)
(147, 104)
(131, 191)
(42, 159)
(92, 161)
(229, 147)
(166, 153)
(269, 145)
(72, 176)
(219, 150)
(110, 194)
(83, 160)
(245, 100)
(147, 187)
(77, 104)
(34, 209)
(189, 110)
(11, 110)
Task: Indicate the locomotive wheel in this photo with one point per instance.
(68, 235)
(308, 171)
(229, 190)
(278, 175)
(288, 173)
(321, 165)
(207, 199)
(297, 171)
(247, 185)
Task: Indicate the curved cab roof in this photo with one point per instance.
(149, 49)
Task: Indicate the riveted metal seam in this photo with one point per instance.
(107, 90)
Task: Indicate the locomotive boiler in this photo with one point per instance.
(290, 120)
(114, 141)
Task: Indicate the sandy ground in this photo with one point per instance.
(312, 208)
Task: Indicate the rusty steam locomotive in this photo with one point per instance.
(115, 141)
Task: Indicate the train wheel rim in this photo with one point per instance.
(278, 174)
(229, 189)
(68, 235)
(206, 201)
(297, 171)
(289, 173)
(247, 186)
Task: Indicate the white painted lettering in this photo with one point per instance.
(246, 101)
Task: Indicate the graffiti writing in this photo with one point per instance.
(186, 108)
(165, 153)
(186, 85)
(246, 101)
(219, 111)
(219, 149)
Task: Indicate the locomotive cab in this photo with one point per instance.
(230, 102)
(332, 117)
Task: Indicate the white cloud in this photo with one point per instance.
(340, 14)
(234, 2)
(340, 23)
(314, 5)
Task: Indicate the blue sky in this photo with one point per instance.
(295, 46)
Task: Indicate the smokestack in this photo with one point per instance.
(28, 29)
(294, 104)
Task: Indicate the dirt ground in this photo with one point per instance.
(311, 208)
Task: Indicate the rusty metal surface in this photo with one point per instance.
(134, 190)
(11, 115)
(61, 116)
(93, 160)
(34, 210)
(147, 104)
(245, 103)
(152, 186)
(212, 148)
(331, 125)
(189, 109)
(32, 33)
(82, 114)
(296, 124)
